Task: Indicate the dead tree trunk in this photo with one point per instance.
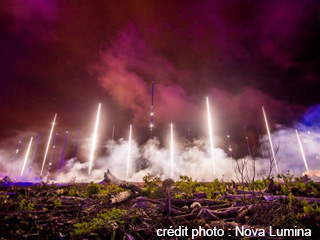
(108, 177)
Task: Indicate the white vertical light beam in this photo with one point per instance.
(26, 157)
(171, 148)
(302, 152)
(270, 139)
(48, 144)
(94, 139)
(211, 136)
(129, 150)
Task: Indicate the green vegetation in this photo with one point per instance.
(152, 188)
(102, 221)
(259, 184)
(92, 189)
(25, 205)
(111, 188)
(90, 214)
(57, 202)
(73, 191)
(214, 189)
(312, 209)
(187, 186)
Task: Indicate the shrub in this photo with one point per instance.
(25, 205)
(312, 209)
(151, 188)
(110, 189)
(187, 185)
(92, 189)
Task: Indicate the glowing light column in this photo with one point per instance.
(171, 148)
(247, 141)
(46, 153)
(302, 152)
(50, 162)
(211, 136)
(229, 146)
(129, 150)
(270, 140)
(260, 141)
(94, 138)
(34, 155)
(26, 157)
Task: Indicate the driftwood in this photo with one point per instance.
(253, 208)
(175, 211)
(120, 197)
(199, 195)
(108, 177)
(168, 202)
(239, 196)
(270, 198)
(207, 214)
(184, 202)
(239, 191)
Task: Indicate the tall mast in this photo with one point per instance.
(247, 141)
(62, 154)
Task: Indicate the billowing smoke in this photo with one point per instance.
(193, 158)
(190, 158)
(289, 152)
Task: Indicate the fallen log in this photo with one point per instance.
(270, 198)
(213, 215)
(239, 191)
(252, 208)
(184, 202)
(239, 196)
(207, 214)
(120, 197)
(161, 205)
(220, 206)
(8, 193)
(168, 202)
(189, 216)
(108, 177)
(227, 213)
(199, 195)
(145, 199)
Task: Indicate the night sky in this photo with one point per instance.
(67, 56)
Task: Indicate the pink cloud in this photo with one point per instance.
(245, 107)
(125, 73)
